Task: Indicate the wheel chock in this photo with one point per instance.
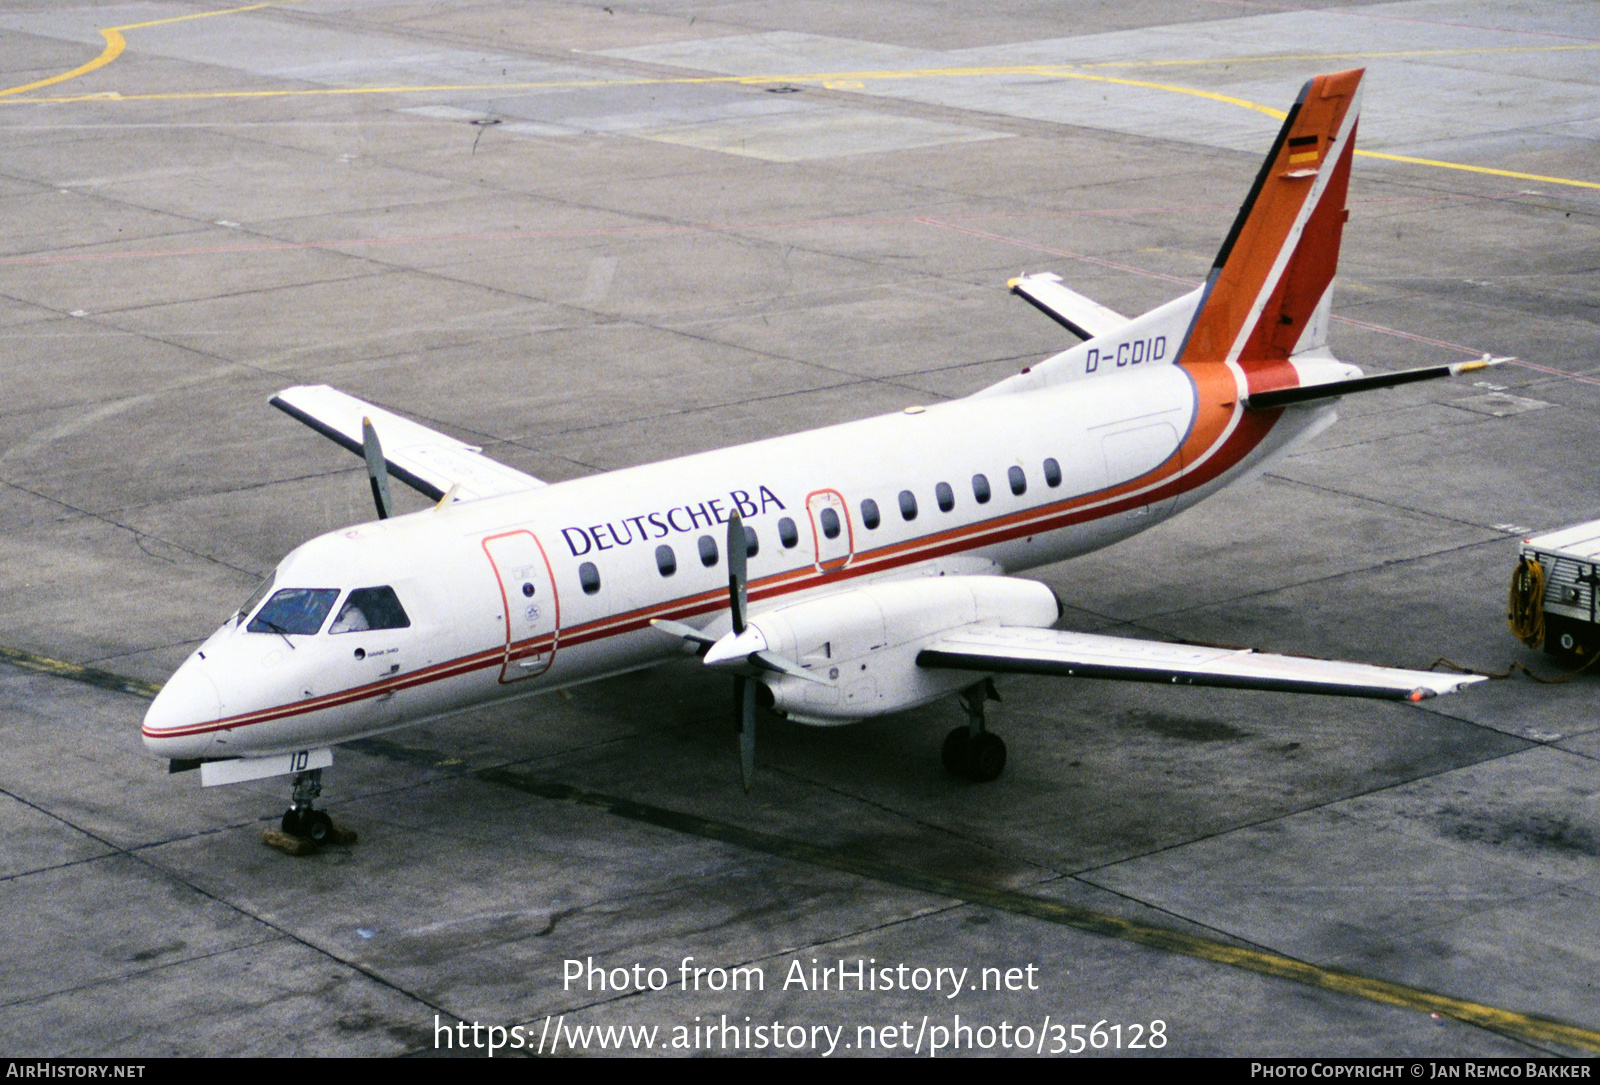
(289, 845)
(337, 835)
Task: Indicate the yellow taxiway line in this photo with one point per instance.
(1521, 1026)
(115, 44)
(78, 673)
(1505, 1022)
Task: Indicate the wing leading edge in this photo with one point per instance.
(428, 461)
(1004, 649)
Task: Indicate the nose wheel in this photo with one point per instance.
(312, 825)
(305, 828)
(971, 752)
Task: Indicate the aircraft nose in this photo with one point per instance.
(174, 726)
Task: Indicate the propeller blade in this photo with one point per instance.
(738, 556)
(377, 470)
(771, 661)
(687, 632)
(744, 708)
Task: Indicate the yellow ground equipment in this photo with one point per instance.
(1553, 597)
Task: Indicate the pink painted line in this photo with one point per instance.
(1470, 352)
(1191, 284)
(517, 235)
(1397, 19)
(354, 242)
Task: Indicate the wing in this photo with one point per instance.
(424, 459)
(1079, 315)
(1002, 649)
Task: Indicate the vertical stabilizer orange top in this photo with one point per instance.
(1278, 260)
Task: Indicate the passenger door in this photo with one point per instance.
(832, 533)
(532, 611)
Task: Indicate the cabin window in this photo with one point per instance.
(945, 496)
(666, 560)
(708, 551)
(294, 610)
(869, 514)
(589, 578)
(830, 523)
(787, 534)
(1019, 481)
(980, 488)
(374, 608)
(908, 504)
(1052, 473)
(752, 544)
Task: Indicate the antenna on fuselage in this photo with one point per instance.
(377, 470)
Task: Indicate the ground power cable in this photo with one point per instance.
(1525, 615)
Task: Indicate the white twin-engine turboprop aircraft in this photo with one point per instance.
(836, 575)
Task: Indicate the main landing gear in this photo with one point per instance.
(304, 828)
(971, 752)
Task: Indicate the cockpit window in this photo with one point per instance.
(294, 610)
(256, 596)
(370, 608)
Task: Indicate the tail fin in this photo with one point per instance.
(1267, 295)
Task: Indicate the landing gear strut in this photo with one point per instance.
(971, 752)
(304, 827)
(300, 820)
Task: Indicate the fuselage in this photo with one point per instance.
(529, 592)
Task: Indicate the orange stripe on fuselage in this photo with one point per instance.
(1221, 436)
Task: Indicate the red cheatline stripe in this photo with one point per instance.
(1081, 509)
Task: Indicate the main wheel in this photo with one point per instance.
(986, 758)
(294, 824)
(954, 753)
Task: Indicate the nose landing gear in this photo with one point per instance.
(300, 819)
(971, 752)
(304, 828)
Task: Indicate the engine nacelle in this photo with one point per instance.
(866, 641)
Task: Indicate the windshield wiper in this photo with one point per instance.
(276, 628)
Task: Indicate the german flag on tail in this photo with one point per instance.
(1266, 296)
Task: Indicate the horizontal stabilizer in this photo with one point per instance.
(1284, 397)
(1081, 316)
(1002, 649)
(424, 459)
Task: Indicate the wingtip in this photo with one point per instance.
(1480, 363)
